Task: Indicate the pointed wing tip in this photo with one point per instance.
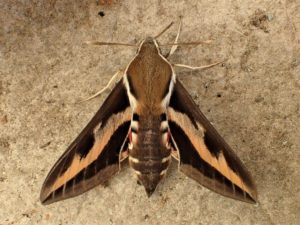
(251, 197)
(43, 198)
(44, 202)
(255, 197)
(252, 201)
(252, 191)
(47, 200)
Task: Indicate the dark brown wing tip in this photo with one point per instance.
(49, 201)
(251, 200)
(44, 199)
(254, 196)
(45, 202)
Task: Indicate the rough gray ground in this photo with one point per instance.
(253, 100)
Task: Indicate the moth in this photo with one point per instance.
(148, 118)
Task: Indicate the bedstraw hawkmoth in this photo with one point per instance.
(148, 118)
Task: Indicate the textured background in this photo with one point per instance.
(253, 100)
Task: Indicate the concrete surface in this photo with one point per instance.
(253, 100)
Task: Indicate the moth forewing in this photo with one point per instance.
(204, 155)
(93, 157)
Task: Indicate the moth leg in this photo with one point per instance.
(174, 46)
(164, 30)
(175, 154)
(107, 87)
(198, 67)
(123, 156)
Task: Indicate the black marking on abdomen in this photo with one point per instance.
(136, 117)
(163, 117)
(150, 165)
(133, 130)
(165, 130)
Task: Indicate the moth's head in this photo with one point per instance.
(149, 45)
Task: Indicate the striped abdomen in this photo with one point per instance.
(149, 154)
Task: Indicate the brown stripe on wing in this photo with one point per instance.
(200, 137)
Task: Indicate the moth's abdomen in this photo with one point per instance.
(149, 155)
(150, 172)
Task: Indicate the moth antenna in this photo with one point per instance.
(188, 43)
(174, 47)
(108, 43)
(198, 67)
(164, 30)
(108, 86)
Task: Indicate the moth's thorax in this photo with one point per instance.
(149, 75)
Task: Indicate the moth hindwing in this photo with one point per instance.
(148, 117)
